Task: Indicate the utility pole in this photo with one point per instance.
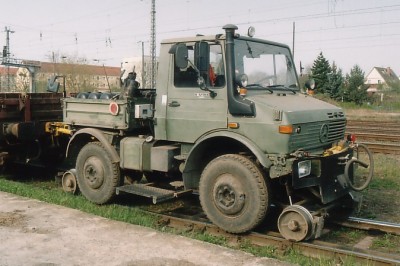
(142, 64)
(153, 44)
(31, 66)
(6, 52)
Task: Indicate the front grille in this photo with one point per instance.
(335, 115)
(308, 135)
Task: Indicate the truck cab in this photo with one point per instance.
(229, 119)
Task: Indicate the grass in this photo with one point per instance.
(344, 235)
(386, 174)
(387, 242)
(51, 192)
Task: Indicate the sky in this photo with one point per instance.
(347, 32)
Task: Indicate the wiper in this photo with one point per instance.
(259, 86)
(283, 87)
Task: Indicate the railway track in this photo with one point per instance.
(380, 137)
(316, 249)
(386, 148)
(370, 225)
(370, 123)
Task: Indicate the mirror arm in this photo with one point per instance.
(202, 85)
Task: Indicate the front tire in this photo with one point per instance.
(233, 193)
(97, 175)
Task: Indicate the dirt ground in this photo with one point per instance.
(37, 233)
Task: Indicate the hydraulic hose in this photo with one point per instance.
(363, 164)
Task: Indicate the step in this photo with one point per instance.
(149, 191)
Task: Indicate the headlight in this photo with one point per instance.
(304, 168)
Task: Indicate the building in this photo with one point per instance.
(7, 78)
(381, 79)
(141, 66)
(78, 77)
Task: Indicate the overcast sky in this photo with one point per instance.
(349, 32)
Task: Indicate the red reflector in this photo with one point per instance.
(113, 108)
(351, 137)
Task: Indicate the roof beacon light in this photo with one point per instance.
(251, 31)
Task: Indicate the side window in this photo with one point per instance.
(215, 76)
(217, 69)
(186, 77)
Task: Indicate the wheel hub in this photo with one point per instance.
(228, 195)
(293, 225)
(93, 172)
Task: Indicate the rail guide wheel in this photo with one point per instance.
(69, 183)
(295, 223)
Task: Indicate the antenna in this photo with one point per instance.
(153, 44)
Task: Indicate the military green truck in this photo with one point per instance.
(228, 120)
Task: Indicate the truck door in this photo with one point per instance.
(191, 111)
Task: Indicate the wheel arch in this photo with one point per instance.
(213, 145)
(85, 135)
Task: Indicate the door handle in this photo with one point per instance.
(174, 104)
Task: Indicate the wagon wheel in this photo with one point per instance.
(233, 193)
(97, 175)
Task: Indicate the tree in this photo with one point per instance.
(354, 88)
(320, 72)
(22, 80)
(335, 82)
(74, 69)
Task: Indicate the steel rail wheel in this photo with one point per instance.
(97, 176)
(69, 183)
(295, 223)
(233, 193)
(360, 169)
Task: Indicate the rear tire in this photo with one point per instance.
(233, 193)
(97, 176)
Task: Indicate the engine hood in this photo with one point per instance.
(296, 108)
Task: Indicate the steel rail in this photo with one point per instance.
(369, 123)
(314, 249)
(387, 148)
(377, 129)
(369, 225)
(376, 136)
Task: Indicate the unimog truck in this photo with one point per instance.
(228, 120)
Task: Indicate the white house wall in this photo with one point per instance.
(374, 77)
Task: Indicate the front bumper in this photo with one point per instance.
(327, 173)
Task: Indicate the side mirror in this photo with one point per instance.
(202, 56)
(53, 85)
(181, 55)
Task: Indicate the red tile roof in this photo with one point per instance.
(94, 70)
(4, 71)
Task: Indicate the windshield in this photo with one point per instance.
(265, 65)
